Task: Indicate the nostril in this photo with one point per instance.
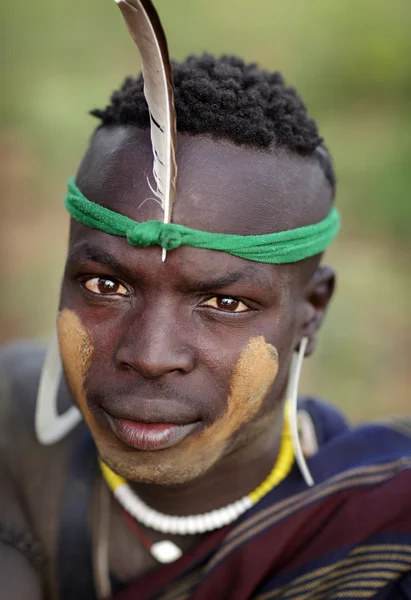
(155, 363)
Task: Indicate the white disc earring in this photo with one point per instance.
(291, 399)
(51, 427)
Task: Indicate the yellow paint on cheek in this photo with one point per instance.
(76, 351)
(253, 375)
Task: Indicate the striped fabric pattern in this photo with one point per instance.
(366, 570)
(348, 537)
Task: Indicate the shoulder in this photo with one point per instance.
(20, 550)
(20, 453)
(22, 557)
(20, 370)
(341, 448)
(22, 356)
(20, 367)
(365, 450)
(319, 422)
(34, 474)
(401, 425)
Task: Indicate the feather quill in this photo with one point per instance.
(145, 28)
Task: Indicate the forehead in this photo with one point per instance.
(220, 188)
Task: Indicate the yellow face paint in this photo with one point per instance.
(253, 375)
(76, 351)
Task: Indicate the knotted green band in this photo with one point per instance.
(275, 248)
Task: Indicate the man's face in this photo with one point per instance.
(178, 365)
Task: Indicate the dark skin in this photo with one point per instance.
(166, 336)
(174, 331)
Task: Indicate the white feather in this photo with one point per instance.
(145, 28)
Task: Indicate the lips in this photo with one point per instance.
(150, 436)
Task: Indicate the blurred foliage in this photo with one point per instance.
(351, 63)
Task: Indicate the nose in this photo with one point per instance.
(155, 343)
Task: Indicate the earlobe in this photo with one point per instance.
(318, 294)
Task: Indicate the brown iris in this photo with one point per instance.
(105, 286)
(226, 304)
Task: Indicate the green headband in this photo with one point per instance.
(275, 248)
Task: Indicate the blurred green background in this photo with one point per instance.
(351, 62)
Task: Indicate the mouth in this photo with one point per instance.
(150, 436)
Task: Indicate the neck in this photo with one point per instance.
(243, 467)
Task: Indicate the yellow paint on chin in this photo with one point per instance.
(76, 351)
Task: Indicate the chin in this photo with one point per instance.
(173, 466)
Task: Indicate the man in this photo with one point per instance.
(180, 370)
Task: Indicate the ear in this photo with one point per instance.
(317, 295)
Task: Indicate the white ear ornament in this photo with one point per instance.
(51, 427)
(291, 408)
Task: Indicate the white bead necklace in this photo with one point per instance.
(167, 551)
(188, 525)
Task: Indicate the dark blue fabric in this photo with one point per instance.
(329, 422)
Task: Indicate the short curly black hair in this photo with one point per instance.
(227, 98)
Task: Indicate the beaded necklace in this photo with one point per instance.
(167, 551)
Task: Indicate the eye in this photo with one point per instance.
(226, 304)
(104, 286)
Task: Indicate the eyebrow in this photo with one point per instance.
(225, 280)
(86, 251)
(95, 254)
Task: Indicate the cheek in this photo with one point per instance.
(76, 352)
(253, 375)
